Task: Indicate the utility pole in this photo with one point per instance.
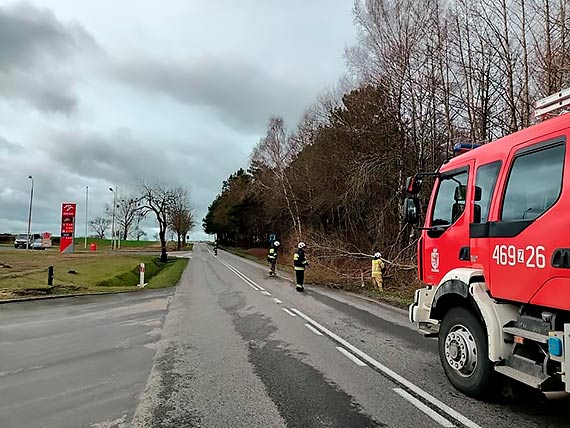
(30, 212)
(119, 231)
(86, 213)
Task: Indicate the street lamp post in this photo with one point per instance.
(86, 213)
(30, 212)
(119, 221)
(113, 220)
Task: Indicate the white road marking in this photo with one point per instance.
(276, 300)
(351, 357)
(240, 275)
(367, 358)
(313, 329)
(392, 374)
(431, 413)
(289, 312)
(244, 277)
(265, 293)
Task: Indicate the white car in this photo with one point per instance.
(22, 241)
(37, 245)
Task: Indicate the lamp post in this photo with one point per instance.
(121, 213)
(113, 220)
(86, 213)
(30, 212)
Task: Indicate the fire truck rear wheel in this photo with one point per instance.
(463, 351)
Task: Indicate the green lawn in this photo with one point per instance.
(170, 275)
(106, 243)
(24, 273)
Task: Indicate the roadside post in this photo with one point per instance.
(50, 275)
(141, 275)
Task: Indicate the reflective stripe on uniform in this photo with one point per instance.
(377, 266)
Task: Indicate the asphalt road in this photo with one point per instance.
(237, 349)
(240, 349)
(77, 362)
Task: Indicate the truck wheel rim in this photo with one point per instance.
(461, 350)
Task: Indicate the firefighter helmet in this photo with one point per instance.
(276, 243)
(301, 245)
(377, 255)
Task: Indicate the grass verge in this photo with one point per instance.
(24, 274)
(169, 275)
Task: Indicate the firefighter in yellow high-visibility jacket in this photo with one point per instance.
(272, 257)
(300, 263)
(378, 270)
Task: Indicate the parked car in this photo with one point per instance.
(37, 245)
(21, 241)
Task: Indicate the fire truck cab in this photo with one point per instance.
(494, 255)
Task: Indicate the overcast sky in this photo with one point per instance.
(99, 93)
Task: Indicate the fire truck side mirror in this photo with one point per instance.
(413, 185)
(411, 211)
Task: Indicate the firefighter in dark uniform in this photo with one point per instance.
(272, 257)
(300, 263)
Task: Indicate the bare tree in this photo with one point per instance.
(158, 198)
(275, 152)
(181, 219)
(138, 233)
(128, 214)
(100, 225)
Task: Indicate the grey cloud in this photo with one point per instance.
(120, 158)
(48, 92)
(244, 95)
(34, 50)
(7, 147)
(29, 35)
(76, 159)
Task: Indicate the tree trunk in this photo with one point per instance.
(179, 242)
(163, 254)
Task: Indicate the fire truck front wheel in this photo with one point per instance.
(463, 351)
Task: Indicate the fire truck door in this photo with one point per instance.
(531, 222)
(446, 243)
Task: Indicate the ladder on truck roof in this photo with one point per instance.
(548, 106)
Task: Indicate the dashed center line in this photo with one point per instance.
(313, 329)
(289, 312)
(354, 355)
(351, 357)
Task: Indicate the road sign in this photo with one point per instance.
(67, 227)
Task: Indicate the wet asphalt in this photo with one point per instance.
(221, 352)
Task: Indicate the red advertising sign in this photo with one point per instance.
(68, 209)
(67, 227)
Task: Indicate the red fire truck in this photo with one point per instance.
(494, 255)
